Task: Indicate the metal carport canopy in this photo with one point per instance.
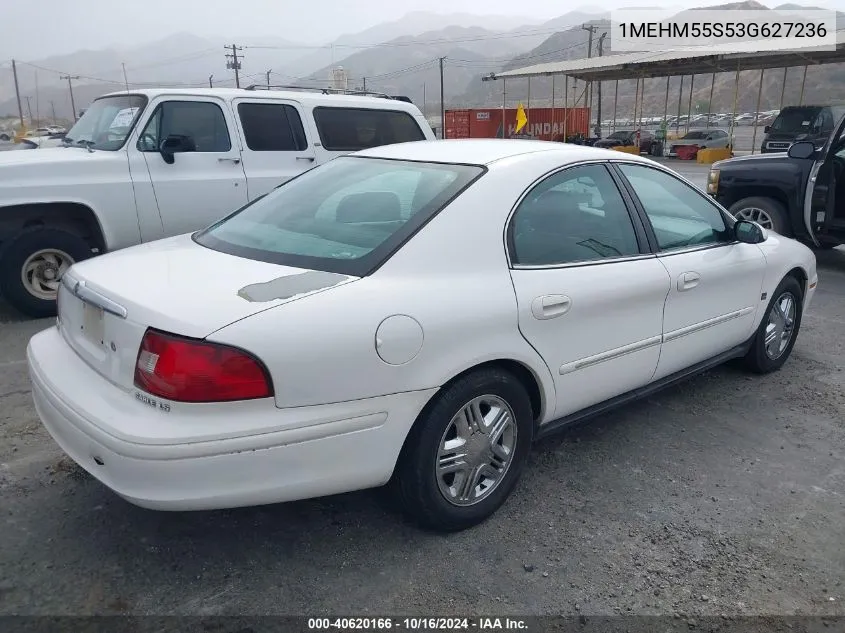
(747, 55)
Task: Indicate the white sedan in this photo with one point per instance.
(416, 314)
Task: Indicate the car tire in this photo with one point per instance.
(438, 499)
(786, 300)
(767, 212)
(51, 251)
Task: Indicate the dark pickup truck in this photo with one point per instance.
(799, 193)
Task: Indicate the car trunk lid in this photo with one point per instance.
(106, 304)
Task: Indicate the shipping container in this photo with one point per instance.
(543, 123)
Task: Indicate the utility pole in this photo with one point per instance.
(53, 110)
(210, 81)
(18, 92)
(365, 84)
(125, 80)
(598, 105)
(442, 104)
(423, 100)
(70, 88)
(267, 74)
(233, 63)
(592, 28)
(29, 110)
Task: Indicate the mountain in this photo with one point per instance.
(409, 65)
(413, 24)
(181, 59)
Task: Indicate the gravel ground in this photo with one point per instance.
(725, 495)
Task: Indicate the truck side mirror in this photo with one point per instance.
(767, 129)
(175, 144)
(801, 150)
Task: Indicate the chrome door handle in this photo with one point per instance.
(550, 306)
(688, 281)
(310, 159)
(235, 161)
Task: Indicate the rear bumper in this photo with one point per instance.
(332, 449)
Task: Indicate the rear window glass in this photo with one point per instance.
(353, 129)
(346, 216)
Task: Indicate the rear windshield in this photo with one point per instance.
(353, 129)
(346, 216)
(796, 120)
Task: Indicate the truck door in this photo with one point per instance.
(276, 144)
(820, 199)
(203, 180)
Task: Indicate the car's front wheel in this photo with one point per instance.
(466, 451)
(778, 329)
(32, 264)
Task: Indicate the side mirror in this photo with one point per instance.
(801, 150)
(749, 232)
(175, 144)
(767, 129)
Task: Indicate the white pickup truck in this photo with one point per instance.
(144, 165)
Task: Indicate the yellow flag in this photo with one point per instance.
(521, 119)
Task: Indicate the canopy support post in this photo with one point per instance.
(615, 101)
(803, 82)
(689, 103)
(504, 107)
(710, 100)
(757, 112)
(733, 116)
(565, 104)
(783, 88)
(680, 97)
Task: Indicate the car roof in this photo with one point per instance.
(486, 151)
(302, 96)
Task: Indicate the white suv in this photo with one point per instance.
(149, 164)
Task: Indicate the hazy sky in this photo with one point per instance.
(39, 28)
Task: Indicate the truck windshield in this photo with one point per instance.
(795, 120)
(107, 122)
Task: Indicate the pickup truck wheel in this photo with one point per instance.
(766, 212)
(31, 266)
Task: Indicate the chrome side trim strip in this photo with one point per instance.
(609, 355)
(697, 327)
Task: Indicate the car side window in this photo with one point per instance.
(575, 215)
(272, 127)
(680, 216)
(200, 121)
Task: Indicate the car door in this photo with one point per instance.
(276, 143)
(716, 282)
(819, 198)
(201, 185)
(590, 296)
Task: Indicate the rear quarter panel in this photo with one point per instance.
(452, 278)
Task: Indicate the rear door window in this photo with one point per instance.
(353, 129)
(272, 127)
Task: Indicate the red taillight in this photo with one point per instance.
(190, 370)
